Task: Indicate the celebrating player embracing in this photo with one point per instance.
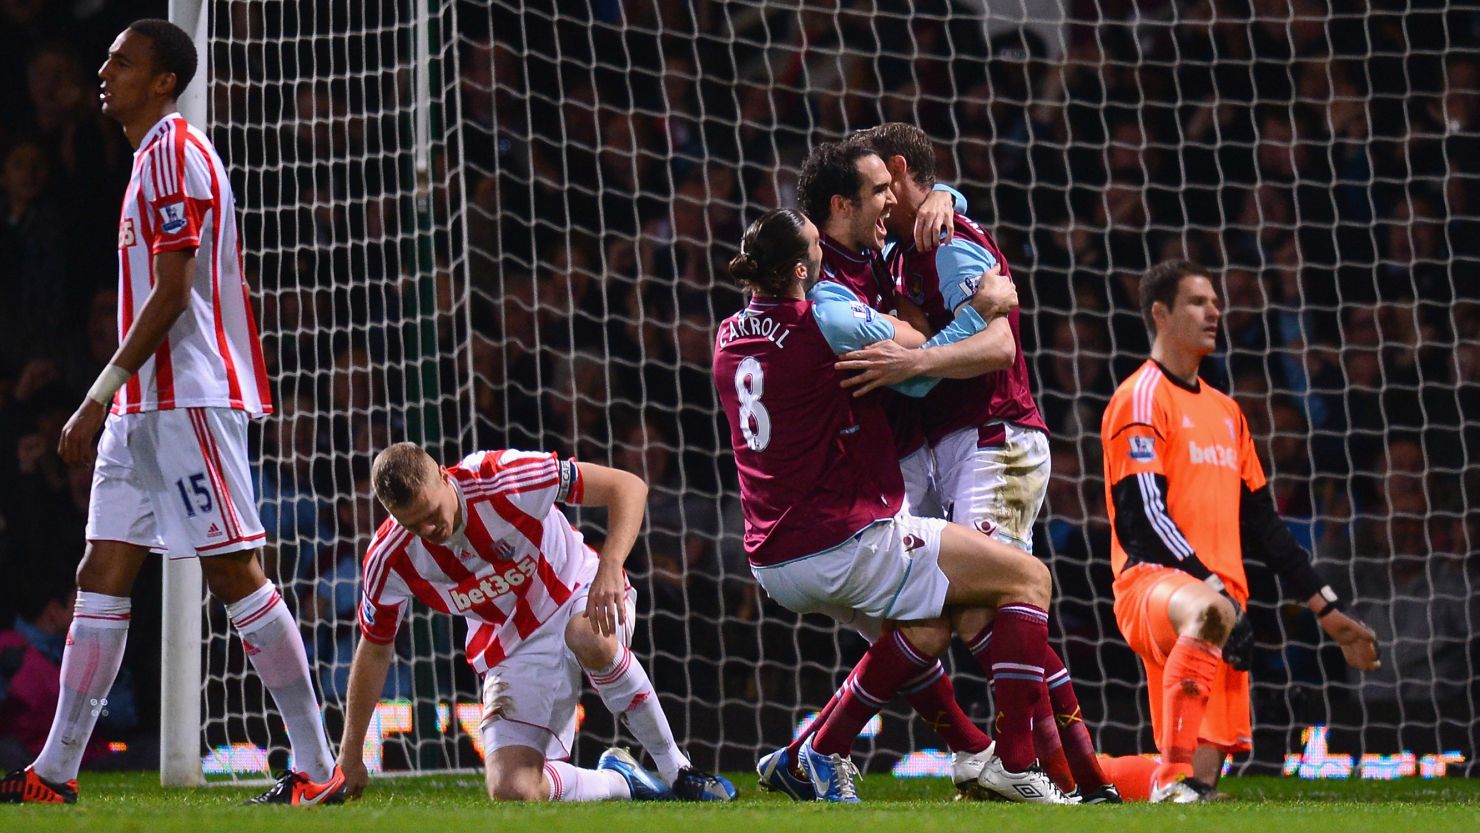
(826, 529)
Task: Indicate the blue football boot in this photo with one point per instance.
(644, 785)
(833, 777)
(776, 775)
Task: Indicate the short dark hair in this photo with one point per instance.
(830, 169)
(399, 473)
(1161, 282)
(770, 250)
(896, 138)
(174, 51)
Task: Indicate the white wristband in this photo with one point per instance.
(108, 382)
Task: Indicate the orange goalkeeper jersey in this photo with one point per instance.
(1181, 455)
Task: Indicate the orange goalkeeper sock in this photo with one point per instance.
(1131, 775)
(1186, 683)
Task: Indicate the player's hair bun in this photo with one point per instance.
(744, 267)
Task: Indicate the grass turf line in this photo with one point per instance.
(450, 804)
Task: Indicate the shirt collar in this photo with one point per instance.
(156, 131)
(859, 256)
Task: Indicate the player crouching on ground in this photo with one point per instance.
(484, 540)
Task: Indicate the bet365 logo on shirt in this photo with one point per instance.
(1214, 455)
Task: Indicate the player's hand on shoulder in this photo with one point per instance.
(881, 363)
(935, 221)
(356, 776)
(1358, 642)
(76, 444)
(995, 294)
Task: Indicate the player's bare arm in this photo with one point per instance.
(625, 497)
(169, 298)
(887, 363)
(367, 673)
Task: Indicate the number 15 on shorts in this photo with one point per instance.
(194, 493)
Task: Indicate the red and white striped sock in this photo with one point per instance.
(89, 665)
(273, 643)
(628, 693)
(570, 783)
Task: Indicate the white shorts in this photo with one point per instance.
(530, 698)
(918, 470)
(998, 490)
(888, 571)
(176, 482)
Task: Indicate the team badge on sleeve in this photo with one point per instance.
(1141, 449)
(367, 612)
(172, 217)
(862, 311)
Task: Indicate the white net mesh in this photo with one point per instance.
(349, 216)
(605, 159)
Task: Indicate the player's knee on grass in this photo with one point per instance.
(517, 785)
(516, 773)
(591, 649)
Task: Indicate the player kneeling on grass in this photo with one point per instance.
(484, 540)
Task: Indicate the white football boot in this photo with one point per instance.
(966, 769)
(1031, 786)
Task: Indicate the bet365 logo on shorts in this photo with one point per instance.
(172, 217)
(1142, 451)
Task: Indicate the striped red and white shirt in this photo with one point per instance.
(179, 199)
(510, 567)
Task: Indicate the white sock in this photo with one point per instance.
(569, 783)
(89, 665)
(628, 693)
(275, 647)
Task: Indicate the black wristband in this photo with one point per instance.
(1331, 607)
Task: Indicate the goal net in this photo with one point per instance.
(506, 224)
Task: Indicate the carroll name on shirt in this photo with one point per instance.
(755, 326)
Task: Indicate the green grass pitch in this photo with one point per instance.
(118, 802)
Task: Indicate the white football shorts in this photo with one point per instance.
(918, 471)
(890, 571)
(176, 482)
(530, 698)
(998, 490)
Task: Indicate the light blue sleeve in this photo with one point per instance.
(846, 322)
(968, 322)
(959, 266)
(955, 196)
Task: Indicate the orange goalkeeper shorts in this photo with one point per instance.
(1141, 595)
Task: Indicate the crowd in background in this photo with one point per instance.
(1325, 164)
